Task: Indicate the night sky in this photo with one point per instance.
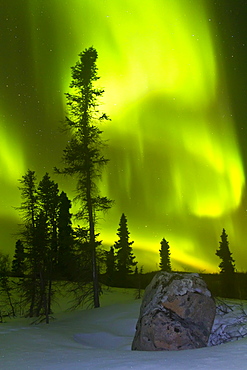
(175, 80)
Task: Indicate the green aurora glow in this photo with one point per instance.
(176, 168)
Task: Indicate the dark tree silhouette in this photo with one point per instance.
(47, 243)
(165, 262)
(227, 266)
(6, 288)
(83, 156)
(227, 262)
(65, 255)
(43, 220)
(125, 257)
(18, 262)
(28, 211)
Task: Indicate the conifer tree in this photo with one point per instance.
(165, 262)
(125, 257)
(28, 208)
(227, 262)
(28, 211)
(18, 262)
(83, 156)
(47, 243)
(227, 267)
(65, 256)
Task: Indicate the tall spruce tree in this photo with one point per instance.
(227, 266)
(125, 257)
(83, 156)
(165, 262)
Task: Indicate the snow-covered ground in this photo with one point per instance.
(101, 339)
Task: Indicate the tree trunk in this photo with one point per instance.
(91, 221)
(94, 260)
(92, 244)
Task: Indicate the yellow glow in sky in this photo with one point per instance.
(175, 166)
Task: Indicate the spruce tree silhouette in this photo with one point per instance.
(28, 212)
(65, 256)
(165, 262)
(227, 266)
(18, 262)
(125, 257)
(83, 156)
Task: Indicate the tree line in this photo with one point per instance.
(53, 251)
(65, 255)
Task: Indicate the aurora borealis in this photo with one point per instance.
(174, 75)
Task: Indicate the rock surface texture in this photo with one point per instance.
(177, 312)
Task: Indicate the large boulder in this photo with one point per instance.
(177, 312)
